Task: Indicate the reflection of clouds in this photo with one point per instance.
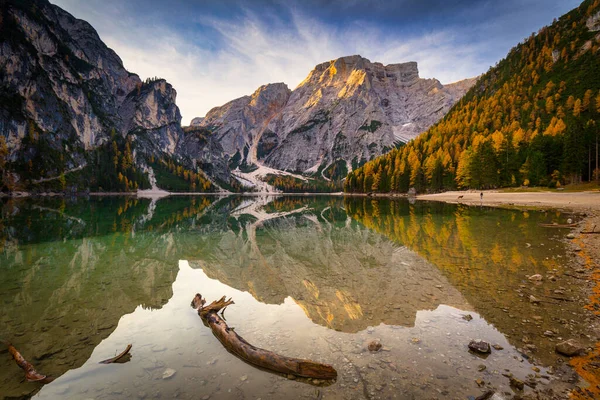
(175, 338)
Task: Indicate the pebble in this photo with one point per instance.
(516, 383)
(479, 346)
(535, 278)
(569, 348)
(534, 299)
(374, 346)
(244, 378)
(168, 373)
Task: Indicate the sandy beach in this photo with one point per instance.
(579, 201)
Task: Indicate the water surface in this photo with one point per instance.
(314, 278)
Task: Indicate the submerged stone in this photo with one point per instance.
(168, 373)
(374, 346)
(479, 346)
(569, 348)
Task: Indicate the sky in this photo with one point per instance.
(213, 51)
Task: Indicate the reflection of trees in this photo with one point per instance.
(486, 254)
(345, 277)
(70, 269)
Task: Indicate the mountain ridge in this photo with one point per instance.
(332, 116)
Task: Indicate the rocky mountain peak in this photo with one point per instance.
(65, 97)
(272, 93)
(345, 112)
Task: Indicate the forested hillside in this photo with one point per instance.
(533, 119)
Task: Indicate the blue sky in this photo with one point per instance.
(213, 51)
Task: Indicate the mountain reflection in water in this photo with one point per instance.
(82, 278)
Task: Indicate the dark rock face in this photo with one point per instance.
(63, 93)
(201, 148)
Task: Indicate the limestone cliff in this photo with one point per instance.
(65, 95)
(347, 110)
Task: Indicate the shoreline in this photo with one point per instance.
(576, 201)
(584, 249)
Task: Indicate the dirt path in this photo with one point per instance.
(58, 176)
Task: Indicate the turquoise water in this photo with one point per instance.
(316, 278)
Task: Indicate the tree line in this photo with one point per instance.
(533, 119)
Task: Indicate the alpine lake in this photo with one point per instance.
(317, 278)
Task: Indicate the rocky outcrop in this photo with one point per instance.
(240, 124)
(201, 149)
(64, 93)
(151, 115)
(196, 121)
(593, 22)
(347, 110)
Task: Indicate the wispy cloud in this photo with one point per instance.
(255, 49)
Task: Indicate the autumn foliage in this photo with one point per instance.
(533, 119)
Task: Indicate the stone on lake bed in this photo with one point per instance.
(571, 236)
(374, 346)
(168, 373)
(535, 278)
(479, 346)
(487, 395)
(516, 383)
(569, 348)
(534, 299)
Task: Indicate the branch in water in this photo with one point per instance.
(30, 373)
(266, 359)
(119, 358)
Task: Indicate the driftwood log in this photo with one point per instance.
(266, 359)
(123, 357)
(30, 373)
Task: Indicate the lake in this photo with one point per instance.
(311, 277)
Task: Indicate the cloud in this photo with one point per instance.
(254, 49)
